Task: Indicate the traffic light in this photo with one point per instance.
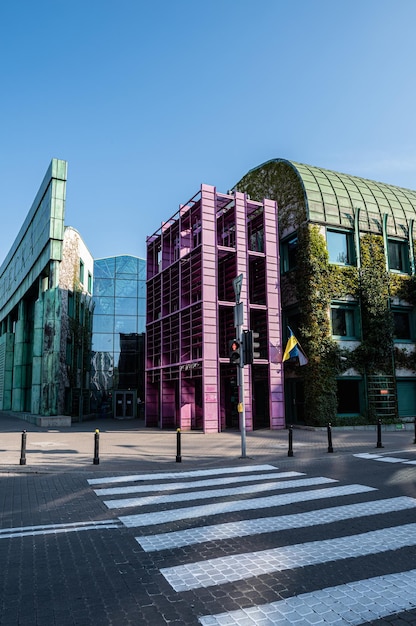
(235, 352)
(250, 346)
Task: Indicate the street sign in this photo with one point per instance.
(239, 314)
(237, 282)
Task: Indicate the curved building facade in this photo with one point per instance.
(348, 271)
(46, 310)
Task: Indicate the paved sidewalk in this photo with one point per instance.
(127, 445)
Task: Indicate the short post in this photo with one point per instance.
(96, 459)
(329, 429)
(178, 446)
(290, 451)
(23, 449)
(379, 444)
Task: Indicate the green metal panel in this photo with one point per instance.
(332, 198)
(406, 396)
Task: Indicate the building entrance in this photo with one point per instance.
(125, 404)
(295, 401)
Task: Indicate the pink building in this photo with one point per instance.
(191, 263)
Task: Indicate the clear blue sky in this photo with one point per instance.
(146, 100)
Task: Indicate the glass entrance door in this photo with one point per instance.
(125, 405)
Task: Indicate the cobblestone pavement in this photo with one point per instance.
(219, 538)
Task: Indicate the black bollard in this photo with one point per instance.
(329, 429)
(23, 449)
(96, 459)
(178, 446)
(290, 451)
(379, 445)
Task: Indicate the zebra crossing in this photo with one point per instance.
(201, 510)
(369, 456)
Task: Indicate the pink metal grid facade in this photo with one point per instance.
(191, 263)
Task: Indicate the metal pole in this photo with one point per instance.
(96, 459)
(23, 449)
(178, 446)
(290, 451)
(379, 445)
(329, 428)
(241, 408)
(238, 324)
(414, 441)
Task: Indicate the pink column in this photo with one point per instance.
(242, 268)
(168, 405)
(276, 380)
(210, 381)
(187, 396)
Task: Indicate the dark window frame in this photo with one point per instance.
(398, 256)
(409, 315)
(289, 248)
(351, 317)
(348, 237)
(349, 398)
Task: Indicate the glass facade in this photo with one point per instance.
(119, 322)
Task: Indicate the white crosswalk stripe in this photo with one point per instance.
(218, 508)
(237, 567)
(175, 475)
(353, 604)
(210, 482)
(383, 458)
(162, 502)
(217, 493)
(244, 528)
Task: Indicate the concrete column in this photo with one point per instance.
(6, 375)
(37, 355)
(50, 352)
(18, 361)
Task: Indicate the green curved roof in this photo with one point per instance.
(332, 198)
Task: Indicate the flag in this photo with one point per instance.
(294, 350)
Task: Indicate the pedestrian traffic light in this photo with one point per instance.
(250, 346)
(235, 354)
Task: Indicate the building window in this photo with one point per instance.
(344, 321)
(81, 271)
(398, 256)
(403, 326)
(348, 395)
(289, 250)
(340, 247)
(89, 282)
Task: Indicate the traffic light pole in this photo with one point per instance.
(241, 407)
(238, 324)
